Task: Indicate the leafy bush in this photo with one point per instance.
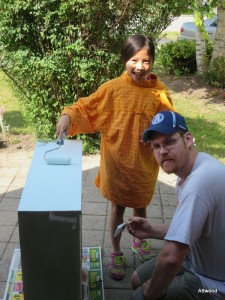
(56, 51)
(47, 84)
(90, 142)
(178, 57)
(209, 49)
(216, 72)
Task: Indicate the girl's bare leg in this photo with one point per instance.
(116, 218)
(139, 212)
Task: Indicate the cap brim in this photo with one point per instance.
(147, 134)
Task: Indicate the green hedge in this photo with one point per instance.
(178, 57)
(216, 72)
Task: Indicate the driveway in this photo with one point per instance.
(176, 24)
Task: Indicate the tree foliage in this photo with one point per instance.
(205, 67)
(56, 51)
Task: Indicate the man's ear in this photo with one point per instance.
(189, 139)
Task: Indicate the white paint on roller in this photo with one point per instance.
(58, 160)
(56, 155)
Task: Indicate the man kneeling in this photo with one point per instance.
(191, 264)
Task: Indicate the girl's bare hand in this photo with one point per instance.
(63, 126)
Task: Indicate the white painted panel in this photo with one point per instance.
(54, 187)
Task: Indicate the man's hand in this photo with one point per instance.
(142, 229)
(139, 227)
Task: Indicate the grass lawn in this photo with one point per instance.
(206, 122)
(171, 35)
(12, 116)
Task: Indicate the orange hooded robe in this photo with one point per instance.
(121, 109)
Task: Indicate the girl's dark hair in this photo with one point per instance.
(135, 43)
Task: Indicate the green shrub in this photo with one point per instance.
(209, 49)
(216, 72)
(56, 51)
(90, 142)
(178, 57)
(47, 84)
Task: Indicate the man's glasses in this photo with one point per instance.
(168, 145)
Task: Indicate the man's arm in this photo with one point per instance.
(167, 266)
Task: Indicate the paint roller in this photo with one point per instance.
(57, 159)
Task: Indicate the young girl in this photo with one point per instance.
(121, 109)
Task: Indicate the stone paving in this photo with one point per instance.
(14, 168)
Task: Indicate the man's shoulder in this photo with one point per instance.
(204, 160)
(207, 175)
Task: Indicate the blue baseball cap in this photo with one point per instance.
(165, 122)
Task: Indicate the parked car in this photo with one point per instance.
(188, 29)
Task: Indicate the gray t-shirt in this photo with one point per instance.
(199, 220)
